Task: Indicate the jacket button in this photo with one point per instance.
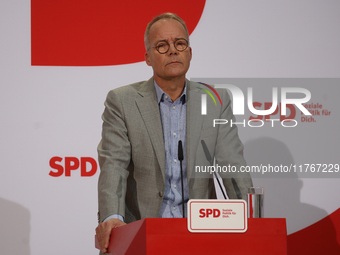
(160, 194)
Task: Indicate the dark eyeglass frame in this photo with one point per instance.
(175, 43)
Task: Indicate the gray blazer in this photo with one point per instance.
(132, 157)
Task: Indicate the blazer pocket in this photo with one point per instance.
(206, 148)
(209, 132)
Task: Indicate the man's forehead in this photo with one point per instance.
(165, 28)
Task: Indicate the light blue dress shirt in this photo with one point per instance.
(173, 117)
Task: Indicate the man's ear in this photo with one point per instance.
(147, 58)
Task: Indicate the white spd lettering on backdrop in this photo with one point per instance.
(48, 111)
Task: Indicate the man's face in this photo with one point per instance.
(173, 64)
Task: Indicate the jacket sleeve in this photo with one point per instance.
(114, 155)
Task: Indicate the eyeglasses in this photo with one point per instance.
(163, 46)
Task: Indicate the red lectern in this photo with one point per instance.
(264, 236)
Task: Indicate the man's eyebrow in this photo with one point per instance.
(165, 40)
(161, 41)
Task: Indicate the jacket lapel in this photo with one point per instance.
(193, 125)
(149, 110)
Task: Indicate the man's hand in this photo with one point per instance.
(103, 232)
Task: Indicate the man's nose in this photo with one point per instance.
(172, 49)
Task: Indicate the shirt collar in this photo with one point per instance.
(160, 93)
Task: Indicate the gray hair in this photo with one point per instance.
(167, 15)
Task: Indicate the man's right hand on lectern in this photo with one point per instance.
(103, 232)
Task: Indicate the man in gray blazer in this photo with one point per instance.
(142, 126)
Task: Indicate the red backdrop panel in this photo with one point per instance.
(322, 237)
(94, 33)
